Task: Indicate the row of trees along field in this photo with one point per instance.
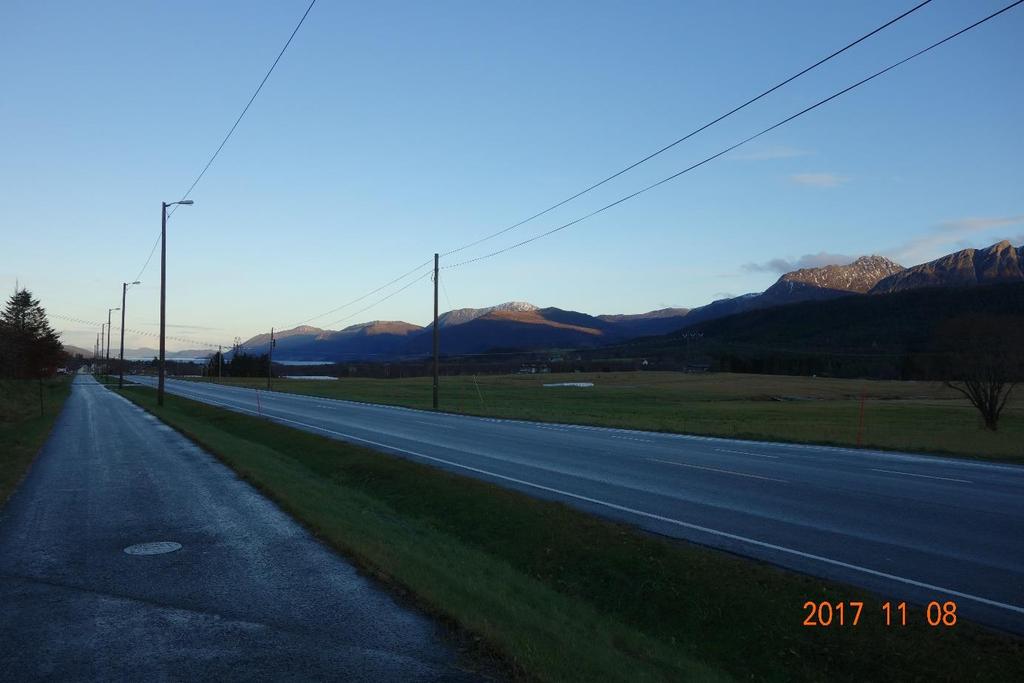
(29, 347)
(240, 364)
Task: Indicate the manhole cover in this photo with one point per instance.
(155, 548)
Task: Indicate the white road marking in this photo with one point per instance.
(433, 424)
(923, 476)
(667, 520)
(715, 469)
(759, 455)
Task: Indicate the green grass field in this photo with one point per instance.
(23, 428)
(913, 416)
(560, 595)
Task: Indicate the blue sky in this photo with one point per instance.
(392, 130)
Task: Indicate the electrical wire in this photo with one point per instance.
(148, 259)
(382, 300)
(736, 145)
(93, 323)
(232, 129)
(364, 296)
(635, 164)
(693, 132)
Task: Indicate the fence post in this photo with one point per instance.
(860, 421)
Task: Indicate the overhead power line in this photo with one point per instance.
(247, 104)
(383, 299)
(368, 294)
(629, 167)
(691, 133)
(738, 144)
(148, 258)
(94, 323)
(231, 130)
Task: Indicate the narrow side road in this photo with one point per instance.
(249, 595)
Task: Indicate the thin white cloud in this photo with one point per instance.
(819, 179)
(949, 236)
(767, 153)
(781, 265)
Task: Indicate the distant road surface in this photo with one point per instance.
(250, 595)
(910, 527)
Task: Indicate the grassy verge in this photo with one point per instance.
(23, 427)
(910, 416)
(562, 595)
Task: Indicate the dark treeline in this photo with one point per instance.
(29, 348)
(239, 364)
(907, 335)
(497, 363)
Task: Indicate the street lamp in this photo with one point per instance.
(99, 347)
(106, 368)
(163, 292)
(124, 291)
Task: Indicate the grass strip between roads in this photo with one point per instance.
(24, 425)
(562, 595)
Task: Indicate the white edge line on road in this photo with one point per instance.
(715, 469)
(434, 424)
(759, 455)
(923, 476)
(660, 518)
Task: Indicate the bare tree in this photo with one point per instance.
(983, 359)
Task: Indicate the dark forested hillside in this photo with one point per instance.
(886, 335)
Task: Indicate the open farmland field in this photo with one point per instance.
(911, 416)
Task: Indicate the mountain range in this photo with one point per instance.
(519, 326)
(515, 325)
(999, 263)
(142, 353)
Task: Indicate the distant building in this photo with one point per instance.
(532, 369)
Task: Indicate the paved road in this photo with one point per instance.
(249, 596)
(911, 527)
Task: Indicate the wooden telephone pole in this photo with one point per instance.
(270, 359)
(436, 371)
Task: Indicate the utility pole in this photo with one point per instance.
(163, 293)
(270, 359)
(120, 357)
(220, 361)
(103, 335)
(163, 300)
(436, 344)
(109, 330)
(124, 292)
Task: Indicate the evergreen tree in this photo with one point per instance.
(29, 347)
(214, 365)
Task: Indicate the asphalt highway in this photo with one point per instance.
(911, 528)
(249, 595)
